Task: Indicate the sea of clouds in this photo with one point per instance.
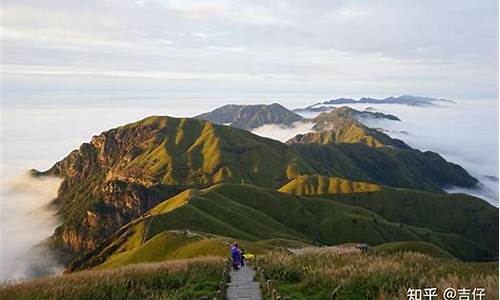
(27, 219)
(36, 136)
(465, 133)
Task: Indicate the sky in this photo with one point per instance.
(380, 48)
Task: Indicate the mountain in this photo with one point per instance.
(404, 100)
(123, 172)
(407, 168)
(346, 111)
(452, 213)
(341, 126)
(253, 214)
(368, 113)
(251, 116)
(351, 133)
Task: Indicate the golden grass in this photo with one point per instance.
(320, 185)
(181, 279)
(315, 272)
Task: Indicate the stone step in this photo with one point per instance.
(243, 286)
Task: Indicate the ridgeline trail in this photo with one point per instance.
(243, 286)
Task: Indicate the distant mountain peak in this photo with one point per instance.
(251, 116)
(403, 99)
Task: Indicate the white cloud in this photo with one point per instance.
(25, 201)
(283, 133)
(454, 132)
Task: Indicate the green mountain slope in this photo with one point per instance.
(341, 126)
(348, 112)
(124, 172)
(360, 115)
(460, 214)
(318, 185)
(251, 116)
(171, 245)
(389, 166)
(254, 214)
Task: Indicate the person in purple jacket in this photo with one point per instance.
(236, 256)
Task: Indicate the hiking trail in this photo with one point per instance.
(243, 286)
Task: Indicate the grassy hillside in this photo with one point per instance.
(192, 152)
(368, 113)
(172, 245)
(412, 246)
(181, 279)
(411, 169)
(316, 273)
(124, 172)
(318, 185)
(253, 214)
(461, 214)
(345, 130)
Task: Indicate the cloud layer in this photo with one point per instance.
(26, 220)
(465, 133)
(282, 133)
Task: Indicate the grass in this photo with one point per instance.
(412, 246)
(255, 215)
(182, 279)
(316, 272)
(196, 153)
(173, 245)
(125, 171)
(405, 168)
(333, 128)
(319, 185)
(461, 214)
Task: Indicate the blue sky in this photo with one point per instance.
(340, 48)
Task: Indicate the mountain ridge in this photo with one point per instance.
(251, 213)
(342, 126)
(124, 172)
(403, 99)
(251, 116)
